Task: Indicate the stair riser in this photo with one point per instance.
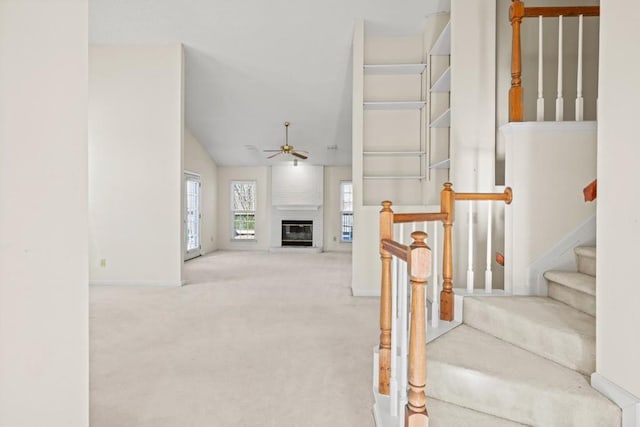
(518, 402)
(576, 299)
(573, 351)
(587, 265)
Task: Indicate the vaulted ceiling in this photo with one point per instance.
(253, 64)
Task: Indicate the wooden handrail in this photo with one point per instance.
(517, 12)
(555, 11)
(418, 217)
(506, 196)
(420, 269)
(396, 249)
(591, 191)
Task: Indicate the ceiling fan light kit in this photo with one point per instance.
(288, 149)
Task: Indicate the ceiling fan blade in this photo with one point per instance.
(273, 155)
(271, 151)
(299, 155)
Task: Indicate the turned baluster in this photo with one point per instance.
(420, 267)
(516, 13)
(386, 232)
(447, 199)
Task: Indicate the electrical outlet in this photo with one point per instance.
(103, 262)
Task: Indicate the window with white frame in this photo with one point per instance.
(346, 211)
(243, 210)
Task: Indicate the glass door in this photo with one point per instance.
(192, 216)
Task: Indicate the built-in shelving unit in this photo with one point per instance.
(442, 45)
(443, 84)
(394, 150)
(439, 109)
(443, 120)
(443, 164)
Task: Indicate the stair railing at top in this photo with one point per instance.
(517, 12)
(402, 350)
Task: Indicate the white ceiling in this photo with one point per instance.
(252, 64)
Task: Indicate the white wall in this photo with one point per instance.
(529, 36)
(473, 134)
(135, 164)
(548, 165)
(198, 160)
(43, 214)
(618, 293)
(262, 176)
(333, 175)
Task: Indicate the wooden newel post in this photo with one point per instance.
(516, 13)
(447, 200)
(386, 232)
(420, 268)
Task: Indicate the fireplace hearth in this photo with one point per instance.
(297, 233)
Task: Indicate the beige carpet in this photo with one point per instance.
(253, 339)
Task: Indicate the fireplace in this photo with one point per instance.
(297, 233)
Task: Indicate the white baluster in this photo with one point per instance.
(393, 382)
(488, 275)
(540, 109)
(403, 329)
(435, 304)
(470, 250)
(579, 99)
(425, 228)
(559, 100)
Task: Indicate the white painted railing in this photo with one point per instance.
(407, 263)
(517, 13)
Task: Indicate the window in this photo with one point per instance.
(346, 211)
(243, 209)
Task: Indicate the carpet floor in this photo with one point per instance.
(253, 339)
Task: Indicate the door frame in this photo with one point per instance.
(195, 252)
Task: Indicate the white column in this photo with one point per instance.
(540, 106)
(579, 99)
(559, 99)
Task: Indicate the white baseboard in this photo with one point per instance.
(141, 283)
(629, 403)
(365, 292)
(561, 255)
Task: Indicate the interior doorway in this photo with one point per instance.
(192, 215)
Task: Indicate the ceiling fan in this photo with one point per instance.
(287, 149)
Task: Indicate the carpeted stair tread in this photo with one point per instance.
(443, 414)
(574, 280)
(541, 325)
(473, 369)
(585, 251)
(586, 259)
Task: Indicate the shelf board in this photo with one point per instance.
(393, 153)
(443, 121)
(408, 177)
(443, 84)
(443, 164)
(394, 105)
(442, 46)
(394, 68)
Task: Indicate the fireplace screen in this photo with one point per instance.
(297, 233)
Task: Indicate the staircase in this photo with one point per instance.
(522, 360)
